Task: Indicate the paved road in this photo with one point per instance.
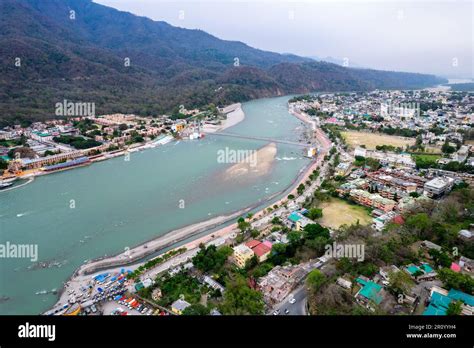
(297, 308)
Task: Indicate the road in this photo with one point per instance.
(297, 308)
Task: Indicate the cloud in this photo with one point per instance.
(416, 36)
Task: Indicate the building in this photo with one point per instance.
(260, 249)
(369, 293)
(242, 253)
(438, 186)
(466, 235)
(381, 221)
(372, 200)
(179, 306)
(424, 272)
(213, 284)
(430, 245)
(41, 136)
(385, 271)
(298, 221)
(440, 299)
(43, 161)
(281, 280)
(346, 284)
(342, 168)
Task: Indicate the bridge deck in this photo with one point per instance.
(259, 138)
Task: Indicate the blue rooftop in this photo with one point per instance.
(294, 217)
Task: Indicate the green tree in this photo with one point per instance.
(315, 280)
(454, 308)
(400, 282)
(300, 189)
(243, 225)
(211, 258)
(446, 148)
(196, 309)
(451, 279)
(315, 213)
(3, 164)
(239, 299)
(311, 231)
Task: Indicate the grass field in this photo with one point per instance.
(337, 212)
(371, 140)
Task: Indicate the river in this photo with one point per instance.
(103, 208)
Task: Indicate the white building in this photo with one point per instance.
(438, 186)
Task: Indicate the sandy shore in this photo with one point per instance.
(235, 114)
(254, 165)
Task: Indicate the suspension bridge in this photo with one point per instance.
(270, 140)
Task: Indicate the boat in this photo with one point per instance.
(4, 185)
(8, 180)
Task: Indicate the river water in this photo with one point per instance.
(98, 210)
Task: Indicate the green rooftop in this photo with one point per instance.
(370, 290)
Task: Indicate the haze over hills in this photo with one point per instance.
(83, 59)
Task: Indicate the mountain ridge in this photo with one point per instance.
(82, 59)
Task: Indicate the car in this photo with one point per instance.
(276, 312)
(292, 301)
(287, 311)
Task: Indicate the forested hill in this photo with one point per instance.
(79, 50)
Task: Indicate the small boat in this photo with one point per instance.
(4, 185)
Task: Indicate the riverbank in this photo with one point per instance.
(172, 238)
(235, 115)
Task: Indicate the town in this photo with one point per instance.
(44, 147)
(383, 223)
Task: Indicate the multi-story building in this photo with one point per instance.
(242, 253)
(372, 200)
(438, 187)
(28, 163)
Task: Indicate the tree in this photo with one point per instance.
(211, 258)
(451, 279)
(300, 189)
(315, 280)
(276, 221)
(399, 282)
(3, 164)
(446, 148)
(315, 213)
(239, 299)
(311, 231)
(196, 309)
(454, 308)
(420, 223)
(294, 237)
(440, 258)
(243, 225)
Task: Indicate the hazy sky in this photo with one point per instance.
(420, 36)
